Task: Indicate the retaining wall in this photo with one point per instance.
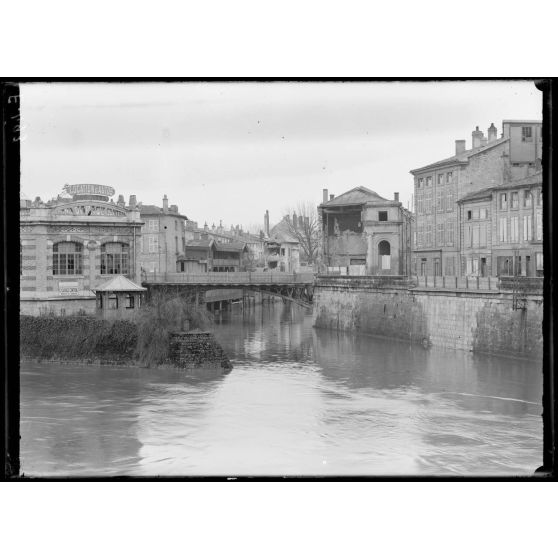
(468, 320)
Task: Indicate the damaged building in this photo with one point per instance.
(365, 234)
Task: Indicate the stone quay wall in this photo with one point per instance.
(469, 320)
(195, 350)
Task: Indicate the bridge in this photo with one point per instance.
(295, 287)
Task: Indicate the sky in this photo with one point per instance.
(229, 151)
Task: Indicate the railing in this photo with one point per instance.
(229, 278)
(476, 283)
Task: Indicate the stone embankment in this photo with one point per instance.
(89, 340)
(497, 322)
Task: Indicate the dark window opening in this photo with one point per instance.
(382, 215)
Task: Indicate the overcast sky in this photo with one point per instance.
(232, 150)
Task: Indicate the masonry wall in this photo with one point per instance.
(473, 321)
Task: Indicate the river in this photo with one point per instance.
(299, 401)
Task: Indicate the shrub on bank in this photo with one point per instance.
(158, 318)
(77, 338)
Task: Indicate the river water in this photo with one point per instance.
(299, 401)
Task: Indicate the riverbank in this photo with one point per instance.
(93, 341)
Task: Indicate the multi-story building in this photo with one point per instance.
(163, 236)
(501, 229)
(282, 249)
(364, 233)
(74, 243)
(438, 186)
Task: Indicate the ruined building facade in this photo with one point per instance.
(365, 234)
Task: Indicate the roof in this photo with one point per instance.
(117, 284)
(486, 192)
(230, 246)
(281, 233)
(356, 196)
(462, 157)
(202, 243)
(155, 210)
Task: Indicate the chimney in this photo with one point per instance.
(165, 203)
(477, 138)
(266, 222)
(459, 146)
(133, 202)
(295, 220)
(121, 201)
(484, 141)
(325, 195)
(492, 133)
(174, 208)
(331, 196)
(396, 196)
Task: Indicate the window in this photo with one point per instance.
(153, 224)
(528, 228)
(114, 258)
(476, 236)
(384, 253)
(483, 213)
(468, 236)
(514, 236)
(420, 182)
(129, 301)
(503, 201)
(440, 179)
(450, 266)
(527, 199)
(515, 200)
(502, 229)
(538, 218)
(176, 243)
(420, 235)
(475, 267)
(449, 200)
(526, 133)
(428, 181)
(440, 234)
(482, 240)
(449, 177)
(113, 302)
(475, 214)
(382, 215)
(539, 197)
(153, 240)
(449, 233)
(539, 263)
(439, 206)
(428, 235)
(67, 258)
(175, 225)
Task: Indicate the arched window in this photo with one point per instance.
(384, 254)
(66, 258)
(114, 258)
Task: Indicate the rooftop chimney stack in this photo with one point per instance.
(266, 222)
(477, 138)
(331, 196)
(165, 203)
(459, 146)
(325, 195)
(492, 133)
(133, 202)
(396, 196)
(121, 201)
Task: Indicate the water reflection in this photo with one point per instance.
(299, 401)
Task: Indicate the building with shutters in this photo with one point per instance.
(73, 243)
(501, 229)
(491, 161)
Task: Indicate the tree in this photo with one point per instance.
(303, 224)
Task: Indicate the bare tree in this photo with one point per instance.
(303, 224)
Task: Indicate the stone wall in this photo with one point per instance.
(474, 321)
(195, 350)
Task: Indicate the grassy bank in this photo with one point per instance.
(145, 340)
